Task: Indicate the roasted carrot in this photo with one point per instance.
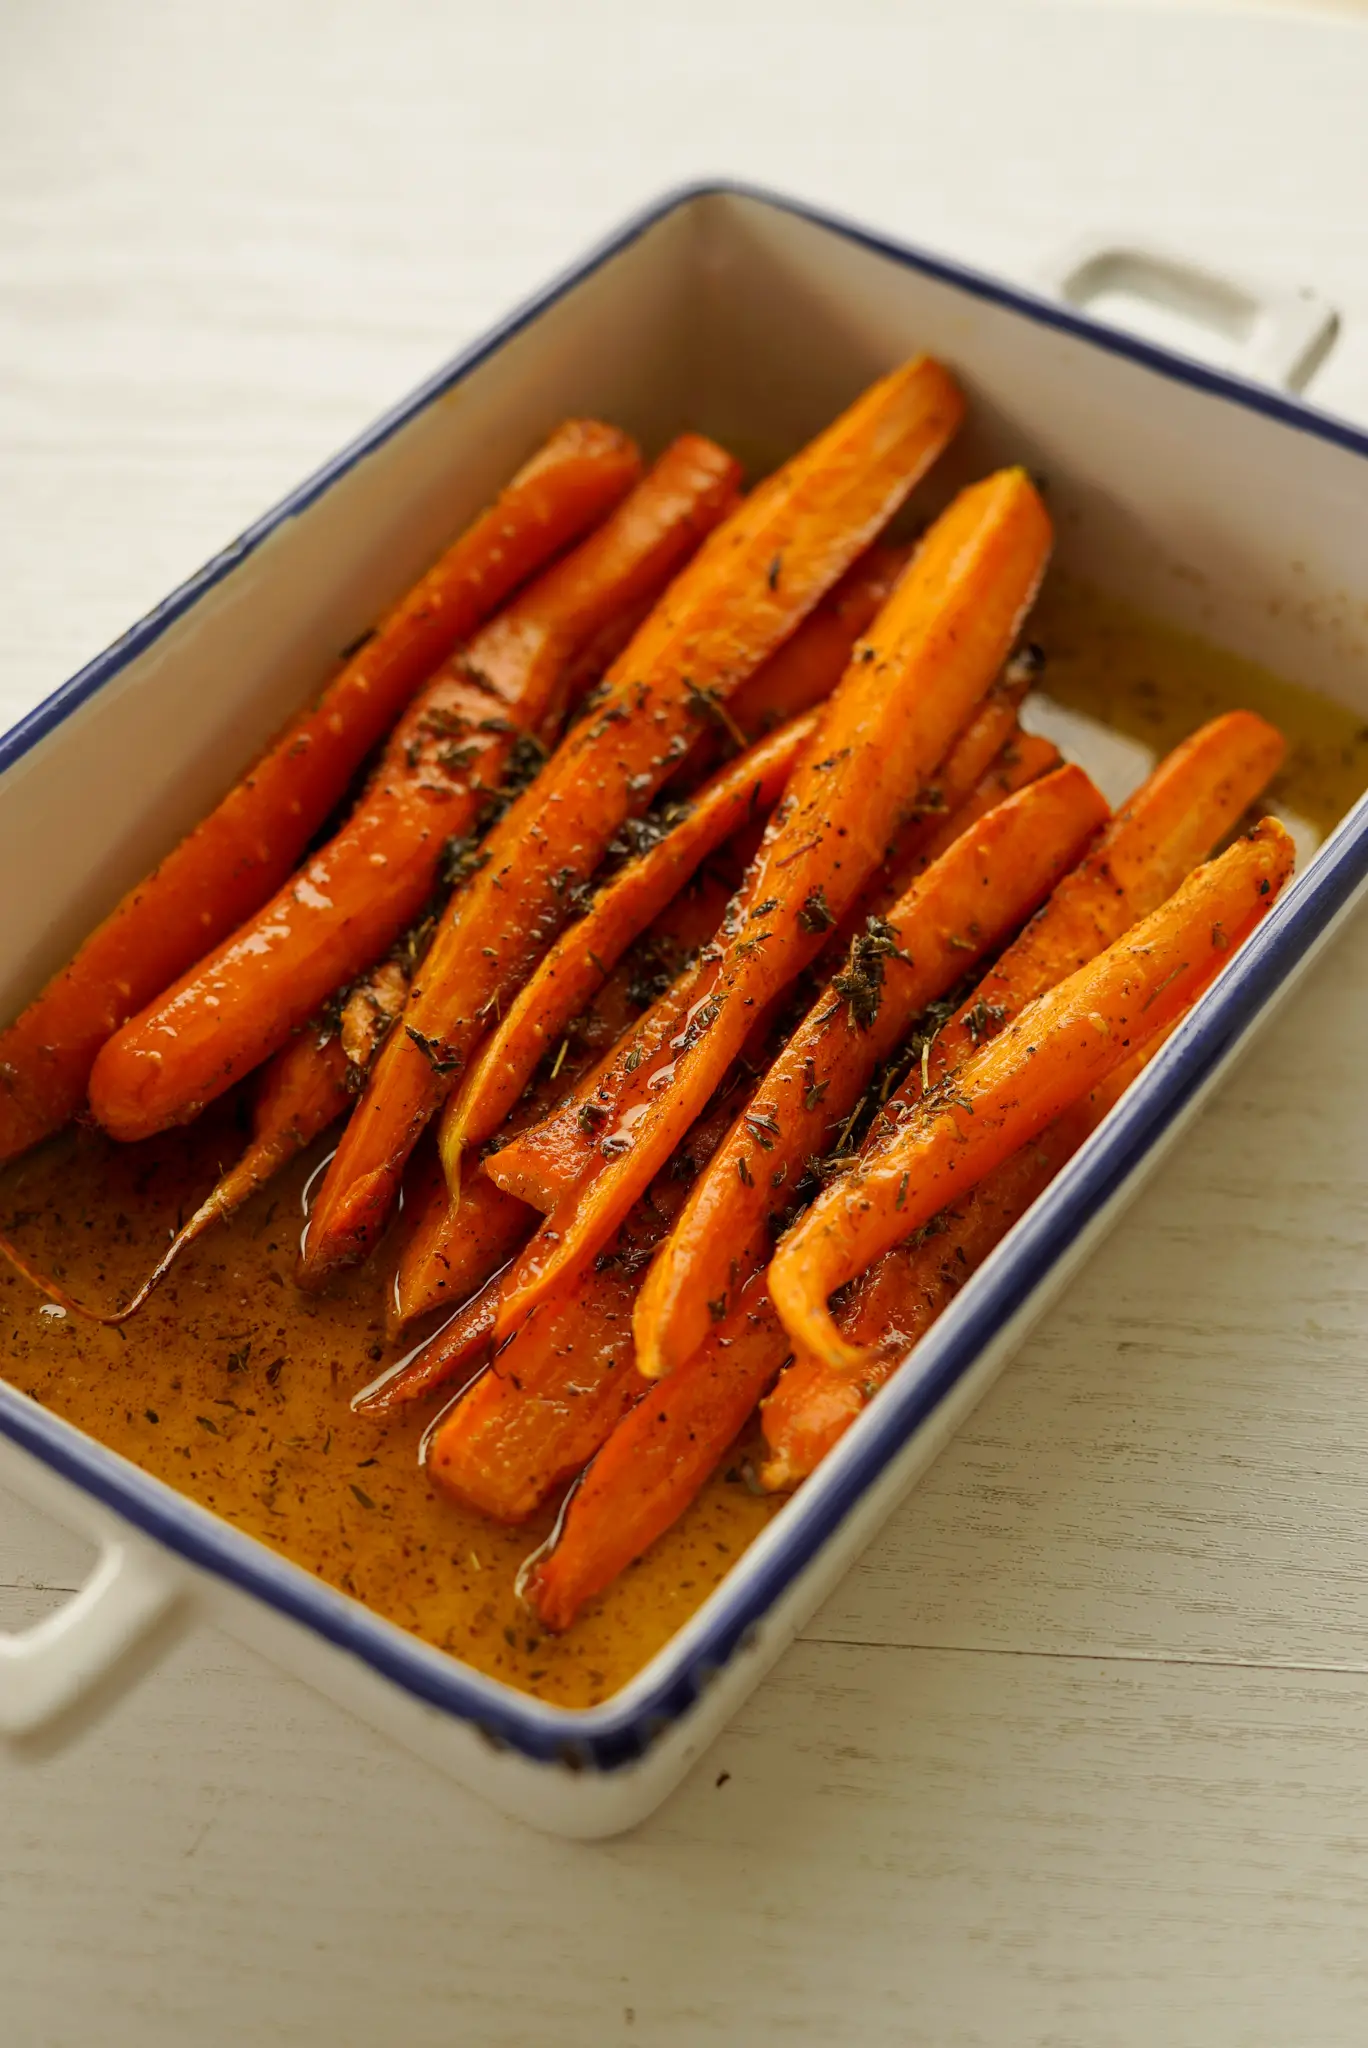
(522, 1430)
(988, 880)
(931, 656)
(1173, 820)
(890, 1307)
(805, 669)
(747, 590)
(452, 1247)
(238, 856)
(307, 1086)
(656, 1460)
(580, 961)
(458, 1351)
(449, 1250)
(561, 1385)
(1062, 1045)
(445, 757)
(545, 1159)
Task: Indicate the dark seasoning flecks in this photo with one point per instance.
(234, 1388)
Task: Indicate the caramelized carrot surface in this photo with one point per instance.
(446, 757)
(1061, 1045)
(233, 861)
(932, 654)
(755, 581)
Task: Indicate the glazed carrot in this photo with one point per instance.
(558, 1389)
(580, 961)
(966, 903)
(1178, 814)
(447, 753)
(1062, 1045)
(931, 656)
(544, 1160)
(458, 1351)
(805, 670)
(652, 1466)
(746, 591)
(451, 1248)
(890, 1307)
(530, 1425)
(233, 861)
(307, 1086)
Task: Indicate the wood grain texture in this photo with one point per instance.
(1075, 1755)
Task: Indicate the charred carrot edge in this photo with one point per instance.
(653, 1465)
(545, 1160)
(758, 576)
(587, 951)
(967, 902)
(931, 656)
(238, 856)
(447, 1253)
(450, 749)
(1062, 1045)
(891, 1306)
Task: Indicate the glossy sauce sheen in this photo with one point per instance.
(234, 1388)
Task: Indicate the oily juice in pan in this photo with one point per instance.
(234, 1387)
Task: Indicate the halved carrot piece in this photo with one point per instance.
(578, 964)
(931, 656)
(753, 582)
(804, 671)
(892, 1305)
(1180, 812)
(446, 756)
(1060, 1046)
(233, 861)
(987, 881)
(451, 1250)
(656, 1460)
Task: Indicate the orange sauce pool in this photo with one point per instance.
(234, 1388)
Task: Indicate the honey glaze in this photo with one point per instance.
(234, 1388)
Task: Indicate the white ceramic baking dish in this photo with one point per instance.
(1215, 502)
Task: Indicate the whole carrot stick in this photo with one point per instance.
(893, 1304)
(577, 965)
(446, 755)
(1061, 1045)
(747, 590)
(451, 1250)
(231, 862)
(967, 902)
(931, 656)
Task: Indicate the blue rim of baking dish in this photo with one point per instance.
(619, 1732)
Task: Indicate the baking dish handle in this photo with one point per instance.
(1273, 334)
(49, 1667)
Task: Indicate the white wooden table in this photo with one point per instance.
(1077, 1755)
